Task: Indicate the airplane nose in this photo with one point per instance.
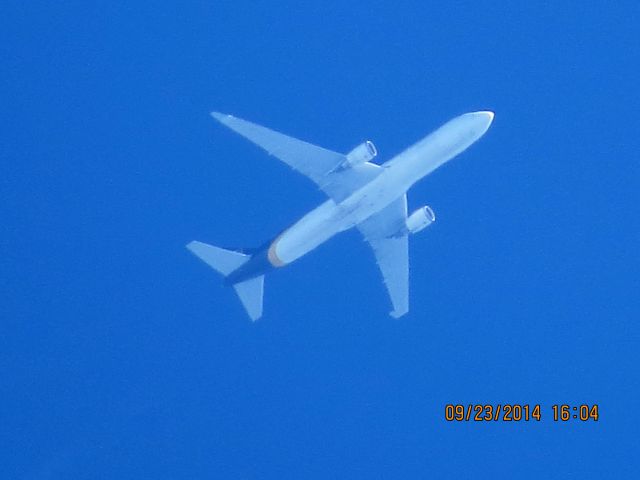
(482, 120)
(477, 122)
(484, 117)
(487, 115)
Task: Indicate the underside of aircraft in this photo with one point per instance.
(360, 193)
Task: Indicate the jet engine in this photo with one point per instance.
(419, 220)
(362, 153)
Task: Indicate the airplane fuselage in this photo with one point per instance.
(395, 178)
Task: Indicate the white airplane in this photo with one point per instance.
(361, 194)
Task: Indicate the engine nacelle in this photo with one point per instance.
(419, 220)
(362, 153)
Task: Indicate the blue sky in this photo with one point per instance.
(122, 355)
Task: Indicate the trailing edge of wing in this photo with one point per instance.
(314, 162)
(391, 251)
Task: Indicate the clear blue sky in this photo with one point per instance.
(122, 356)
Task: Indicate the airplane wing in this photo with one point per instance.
(392, 252)
(314, 162)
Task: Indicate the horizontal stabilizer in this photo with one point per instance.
(224, 262)
(251, 293)
(221, 260)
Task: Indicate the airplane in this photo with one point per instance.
(362, 194)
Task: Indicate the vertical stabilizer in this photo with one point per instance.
(224, 262)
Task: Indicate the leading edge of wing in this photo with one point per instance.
(310, 160)
(316, 163)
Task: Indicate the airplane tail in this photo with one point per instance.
(224, 262)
